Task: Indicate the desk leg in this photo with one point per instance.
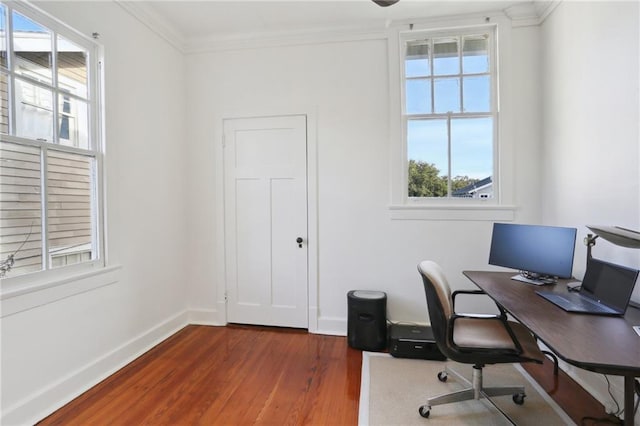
(629, 393)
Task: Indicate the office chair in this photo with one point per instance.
(476, 339)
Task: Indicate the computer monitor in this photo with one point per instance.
(540, 253)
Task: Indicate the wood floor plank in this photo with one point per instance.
(227, 375)
(245, 375)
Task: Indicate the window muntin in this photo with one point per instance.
(449, 114)
(49, 180)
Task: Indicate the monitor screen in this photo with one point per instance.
(534, 249)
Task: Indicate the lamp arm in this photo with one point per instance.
(590, 241)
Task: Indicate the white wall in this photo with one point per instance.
(590, 130)
(346, 85)
(164, 196)
(52, 352)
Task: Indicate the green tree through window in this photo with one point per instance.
(425, 180)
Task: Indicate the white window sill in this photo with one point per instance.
(29, 296)
(453, 212)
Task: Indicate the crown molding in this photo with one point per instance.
(545, 7)
(284, 38)
(531, 13)
(155, 22)
(523, 15)
(373, 31)
(162, 27)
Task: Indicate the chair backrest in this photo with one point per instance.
(439, 302)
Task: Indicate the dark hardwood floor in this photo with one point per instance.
(252, 375)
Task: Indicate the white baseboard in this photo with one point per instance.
(46, 400)
(313, 319)
(206, 317)
(332, 326)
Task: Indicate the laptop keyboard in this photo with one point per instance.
(578, 303)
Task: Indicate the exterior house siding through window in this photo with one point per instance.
(49, 168)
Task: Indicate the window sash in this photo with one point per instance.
(59, 86)
(71, 156)
(67, 213)
(420, 46)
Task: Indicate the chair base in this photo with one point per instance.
(474, 390)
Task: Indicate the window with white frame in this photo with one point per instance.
(449, 114)
(50, 149)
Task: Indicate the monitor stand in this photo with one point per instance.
(541, 280)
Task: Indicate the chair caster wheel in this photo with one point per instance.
(442, 376)
(519, 398)
(424, 411)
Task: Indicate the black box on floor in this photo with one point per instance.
(367, 320)
(413, 341)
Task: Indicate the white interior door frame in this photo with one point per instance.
(312, 210)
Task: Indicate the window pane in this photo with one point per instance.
(448, 110)
(20, 208)
(32, 49)
(417, 59)
(445, 56)
(4, 103)
(3, 36)
(70, 186)
(446, 95)
(73, 122)
(34, 111)
(72, 68)
(475, 54)
(477, 94)
(418, 96)
(471, 154)
(427, 158)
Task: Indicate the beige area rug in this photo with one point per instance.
(392, 389)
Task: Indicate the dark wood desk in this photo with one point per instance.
(602, 344)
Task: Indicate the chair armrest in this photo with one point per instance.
(503, 313)
(457, 292)
(476, 316)
(502, 318)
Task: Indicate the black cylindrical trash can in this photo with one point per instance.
(367, 319)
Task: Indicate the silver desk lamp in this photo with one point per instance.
(614, 234)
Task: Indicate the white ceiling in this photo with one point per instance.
(187, 22)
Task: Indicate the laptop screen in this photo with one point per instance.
(609, 283)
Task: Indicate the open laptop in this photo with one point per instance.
(606, 290)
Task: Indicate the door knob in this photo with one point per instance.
(299, 240)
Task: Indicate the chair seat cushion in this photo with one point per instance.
(490, 334)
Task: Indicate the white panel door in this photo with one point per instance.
(265, 162)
